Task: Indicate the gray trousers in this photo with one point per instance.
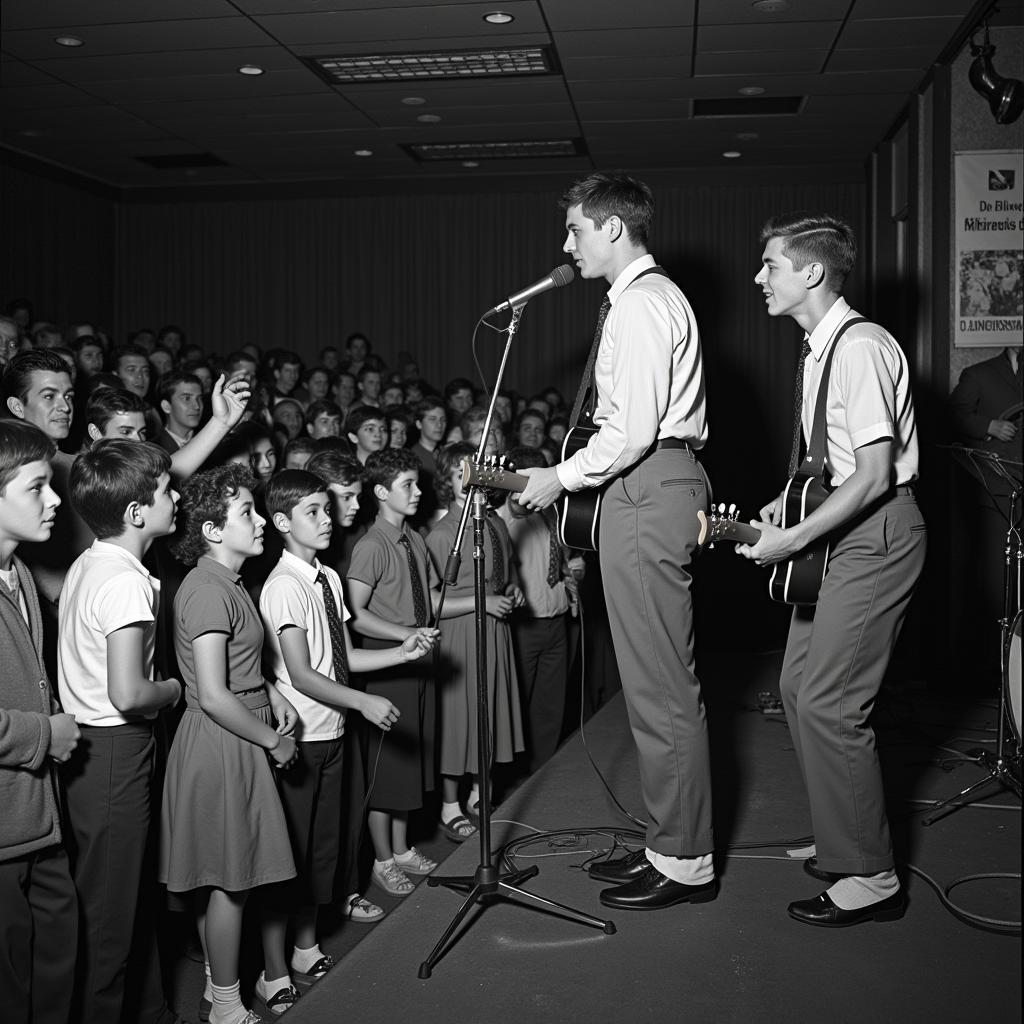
(836, 658)
(648, 536)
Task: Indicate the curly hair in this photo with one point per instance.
(205, 499)
(384, 467)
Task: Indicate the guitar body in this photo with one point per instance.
(579, 513)
(798, 580)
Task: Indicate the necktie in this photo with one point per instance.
(419, 604)
(337, 633)
(497, 556)
(587, 382)
(798, 408)
(554, 549)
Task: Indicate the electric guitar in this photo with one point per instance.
(797, 580)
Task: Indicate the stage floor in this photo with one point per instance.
(739, 958)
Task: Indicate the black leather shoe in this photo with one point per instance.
(823, 912)
(811, 867)
(653, 891)
(620, 870)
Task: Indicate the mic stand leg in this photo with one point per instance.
(487, 883)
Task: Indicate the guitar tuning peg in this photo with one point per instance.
(721, 508)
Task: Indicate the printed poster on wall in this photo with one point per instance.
(989, 243)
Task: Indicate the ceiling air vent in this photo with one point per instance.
(182, 161)
(536, 148)
(754, 106)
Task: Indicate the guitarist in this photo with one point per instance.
(838, 650)
(649, 384)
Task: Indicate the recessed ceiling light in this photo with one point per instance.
(731, 154)
(413, 101)
(770, 6)
(498, 18)
(250, 69)
(747, 136)
(69, 41)
(422, 65)
(364, 152)
(428, 118)
(751, 90)
(470, 163)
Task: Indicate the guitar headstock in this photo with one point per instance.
(492, 472)
(722, 523)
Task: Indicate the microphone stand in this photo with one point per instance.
(487, 882)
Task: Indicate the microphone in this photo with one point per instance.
(558, 278)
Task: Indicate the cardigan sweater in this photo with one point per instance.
(29, 810)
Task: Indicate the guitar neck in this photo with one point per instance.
(491, 476)
(715, 529)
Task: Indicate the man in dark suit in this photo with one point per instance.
(181, 401)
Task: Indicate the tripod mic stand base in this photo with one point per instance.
(486, 884)
(1003, 770)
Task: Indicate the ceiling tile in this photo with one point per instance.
(641, 42)
(19, 14)
(890, 32)
(752, 64)
(878, 59)
(812, 35)
(116, 67)
(740, 12)
(564, 15)
(207, 87)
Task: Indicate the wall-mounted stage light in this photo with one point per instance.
(1005, 95)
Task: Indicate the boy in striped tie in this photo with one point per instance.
(311, 654)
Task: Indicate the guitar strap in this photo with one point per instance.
(586, 395)
(814, 463)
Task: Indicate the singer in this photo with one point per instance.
(648, 406)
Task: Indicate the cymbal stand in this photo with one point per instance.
(1003, 766)
(487, 882)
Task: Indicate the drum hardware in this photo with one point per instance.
(1003, 766)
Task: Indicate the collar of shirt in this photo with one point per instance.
(101, 547)
(181, 441)
(393, 533)
(629, 275)
(822, 334)
(307, 570)
(212, 565)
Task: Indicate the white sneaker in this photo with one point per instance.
(392, 879)
(414, 863)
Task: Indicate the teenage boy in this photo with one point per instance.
(540, 629)
(180, 395)
(40, 908)
(367, 429)
(323, 419)
(432, 423)
(115, 412)
(108, 613)
(368, 382)
(838, 650)
(312, 655)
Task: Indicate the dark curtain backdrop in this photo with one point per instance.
(414, 273)
(57, 248)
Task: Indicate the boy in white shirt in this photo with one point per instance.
(108, 613)
(311, 652)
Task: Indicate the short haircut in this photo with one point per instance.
(815, 238)
(170, 329)
(529, 414)
(285, 357)
(320, 407)
(106, 403)
(353, 336)
(456, 384)
(44, 332)
(17, 379)
(425, 404)
(170, 382)
(85, 341)
(20, 444)
(302, 443)
(366, 371)
(384, 467)
(361, 415)
(335, 467)
(526, 458)
(205, 499)
(602, 195)
(128, 350)
(447, 459)
(472, 418)
(106, 478)
(282, 403)
(232, 360)
(287, 488)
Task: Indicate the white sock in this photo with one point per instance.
(303, 959)
(404, 858)
(449, 812)
(227, 1004)
(856, 891)
(207, 990)
(270, 986)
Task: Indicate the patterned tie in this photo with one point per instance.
(587, 381)
(337, 633)
(497, 556)
(419, 605)
(554, 548)
(798, 408)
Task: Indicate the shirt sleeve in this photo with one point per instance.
(367, 562)
(125, 599)
(206, 609)
(866, 379)
(283, 604)
(639, 332)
